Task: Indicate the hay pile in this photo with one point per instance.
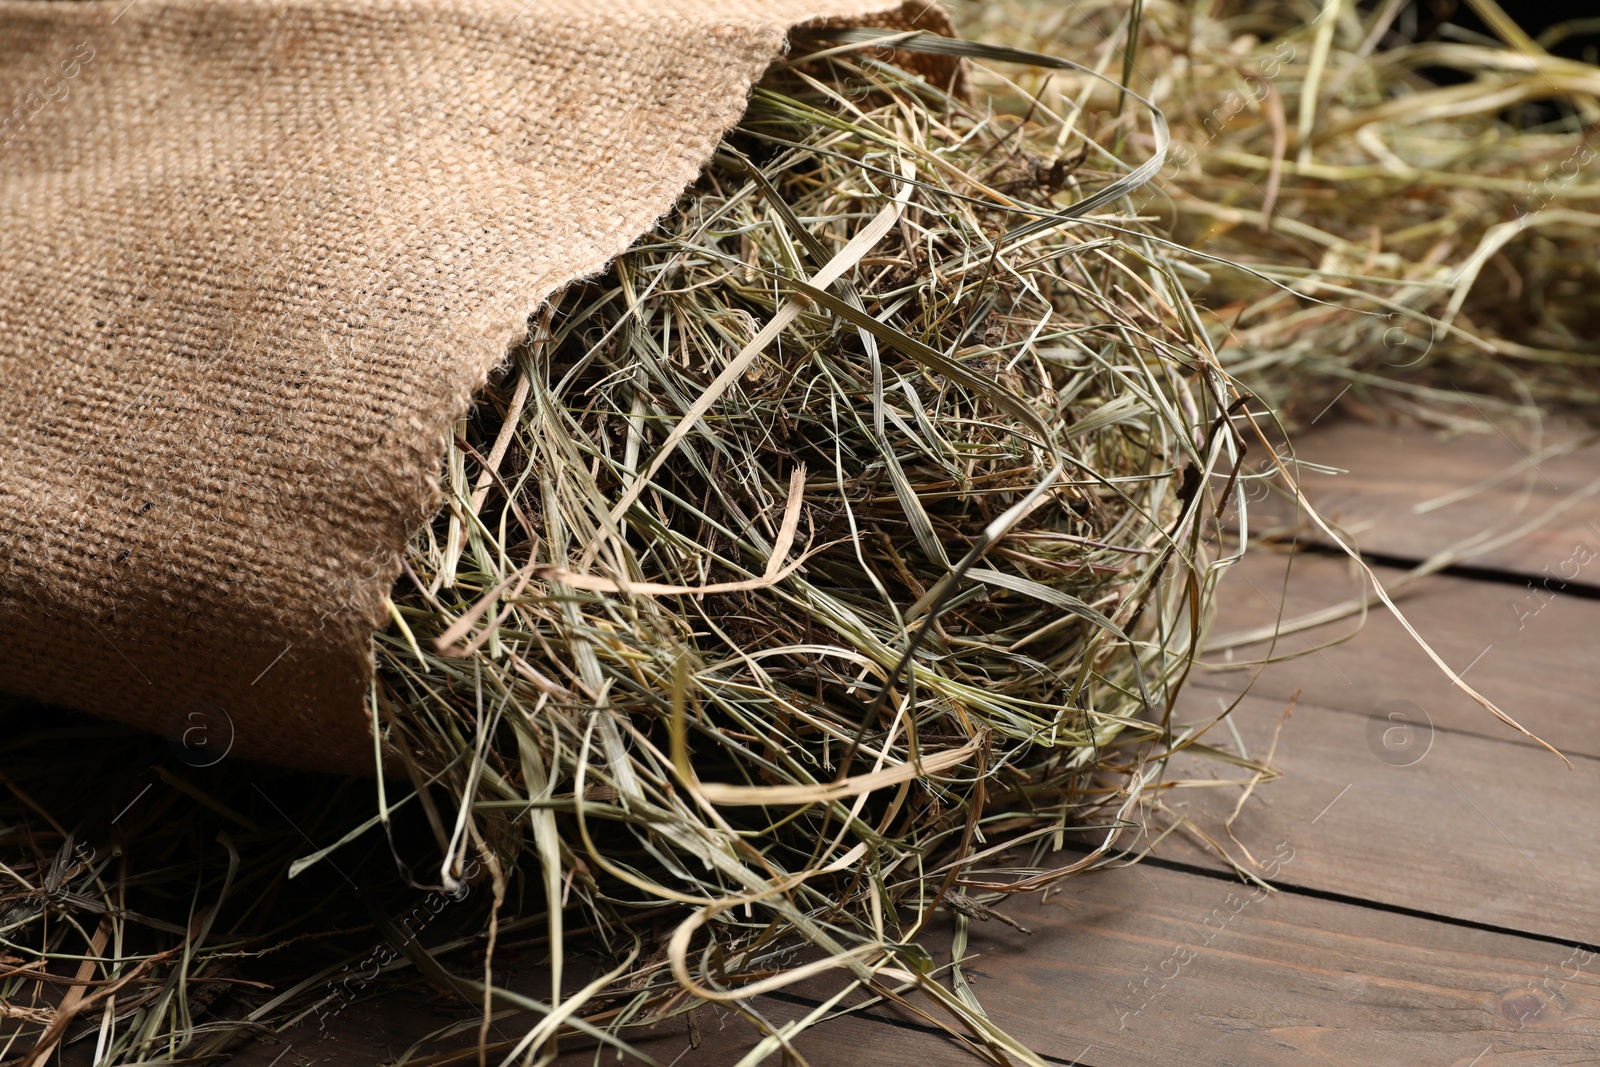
(795, 629)
(1430, 196)
(844, 535)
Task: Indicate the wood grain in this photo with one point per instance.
(1410, 816)
(1386, 473)
(1530, 651)
(379, 1029)
(1144, 966)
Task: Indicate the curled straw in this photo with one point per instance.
(776, 571)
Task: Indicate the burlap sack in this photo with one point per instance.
(255, 257)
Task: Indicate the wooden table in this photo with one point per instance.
(1436, 872)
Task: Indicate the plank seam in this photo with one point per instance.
(1362, 902)
(1494, 575)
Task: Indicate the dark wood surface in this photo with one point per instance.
(1476, 830)
(1530, 651)
(378, 1031)
(1152, 966)
(1410, 493)
(1436, 873)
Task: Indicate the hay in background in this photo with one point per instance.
(1446, 231)
(754, 658)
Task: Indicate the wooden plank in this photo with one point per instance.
(1144, 966)
(1402, 836)
(1394, 478)
(1529, 650)
(379, 1029)
(1150, 966)
(725, 1039)
(1432, 820)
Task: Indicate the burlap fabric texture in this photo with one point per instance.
(255, 257)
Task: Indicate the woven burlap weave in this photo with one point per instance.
(255, 257)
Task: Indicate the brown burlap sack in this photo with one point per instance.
(255, 257)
